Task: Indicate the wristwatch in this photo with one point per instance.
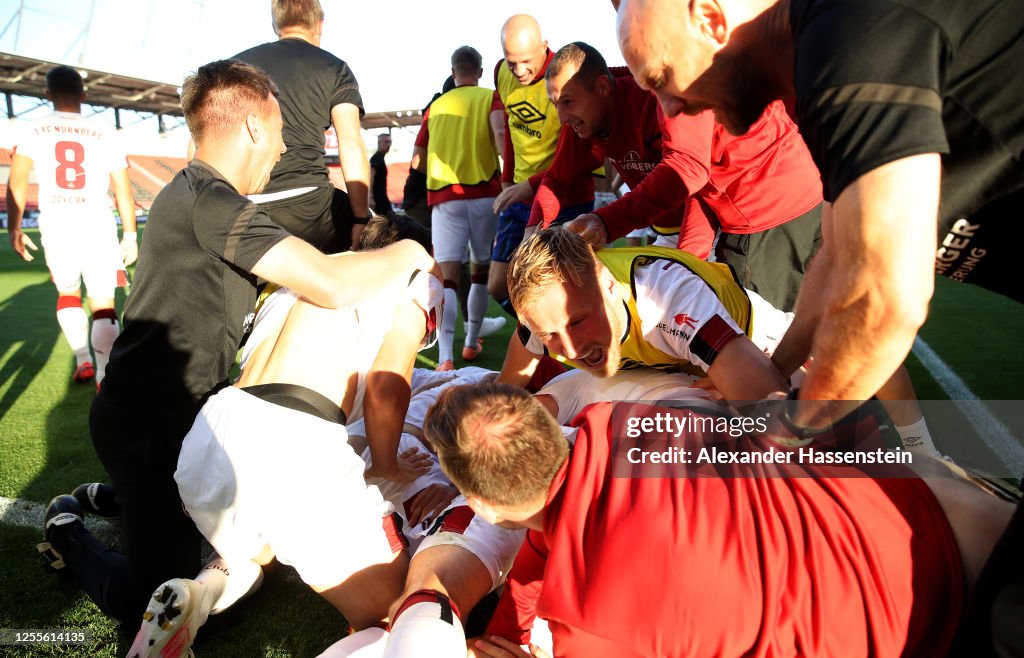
(799, 431)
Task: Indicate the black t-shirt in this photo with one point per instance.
(879, 80)
(193, 293)
(380, 182)
(311, 82)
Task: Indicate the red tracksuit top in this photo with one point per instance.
(743, 184)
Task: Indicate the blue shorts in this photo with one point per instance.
(512, 224)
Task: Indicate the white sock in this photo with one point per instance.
(367, 643)
(917, 439)
(446, 339)
(104, 331)
(427, 624)
(75, 325)
(477, 303)
(234, 582)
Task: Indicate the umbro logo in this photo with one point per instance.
(526, 112)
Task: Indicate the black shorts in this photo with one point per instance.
(772, 262)
(322, 217)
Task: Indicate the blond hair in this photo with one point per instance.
(548, 257)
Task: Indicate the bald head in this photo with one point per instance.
(725, 55)
(524, 47)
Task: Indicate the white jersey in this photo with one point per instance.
(73, 157)
(679, 315)
(576, 389)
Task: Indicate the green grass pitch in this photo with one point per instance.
(45, 450)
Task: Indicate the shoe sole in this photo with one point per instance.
(166, 630)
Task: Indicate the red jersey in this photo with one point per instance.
(660, 159)
(725, 564)
(744, 184)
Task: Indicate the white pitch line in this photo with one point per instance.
(991, 430)
(25, 513)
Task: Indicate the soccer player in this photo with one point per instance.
(75, 160)
(306, 372)
(317, 90)
(206, 249)
(761, 190)
(651, 306)
(917, 141)
(457, 151)
(531, 135)
(792, 559)
(665, 309)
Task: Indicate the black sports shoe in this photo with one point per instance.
(97, 498)
(62, 511)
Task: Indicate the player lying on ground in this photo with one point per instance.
(305, 370)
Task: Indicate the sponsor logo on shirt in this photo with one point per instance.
(685, 320)
(526, 112)
(633, 162)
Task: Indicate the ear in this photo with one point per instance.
(482, 509)
(253, 127)
(709, 18)
(603, 86)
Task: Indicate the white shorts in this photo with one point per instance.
(769, 324)
(84, 251)
(455, 224)
(494, 546)
(252, 474)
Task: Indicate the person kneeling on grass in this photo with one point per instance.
(306, 371)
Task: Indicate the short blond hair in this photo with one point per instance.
(296, 13)
(546, 258)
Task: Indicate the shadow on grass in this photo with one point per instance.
(29, 334)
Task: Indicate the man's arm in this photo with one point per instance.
(126, 209)
(497, 120)
(419, 159)
(883, 238)
(508, 156)
(520, 363)
(795, 346)
(388, 392)
(684, 169)
(340, 279)
(572, 166)
(742, 372)
(355, 164)
(17, 194)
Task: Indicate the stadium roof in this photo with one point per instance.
(24, 76)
